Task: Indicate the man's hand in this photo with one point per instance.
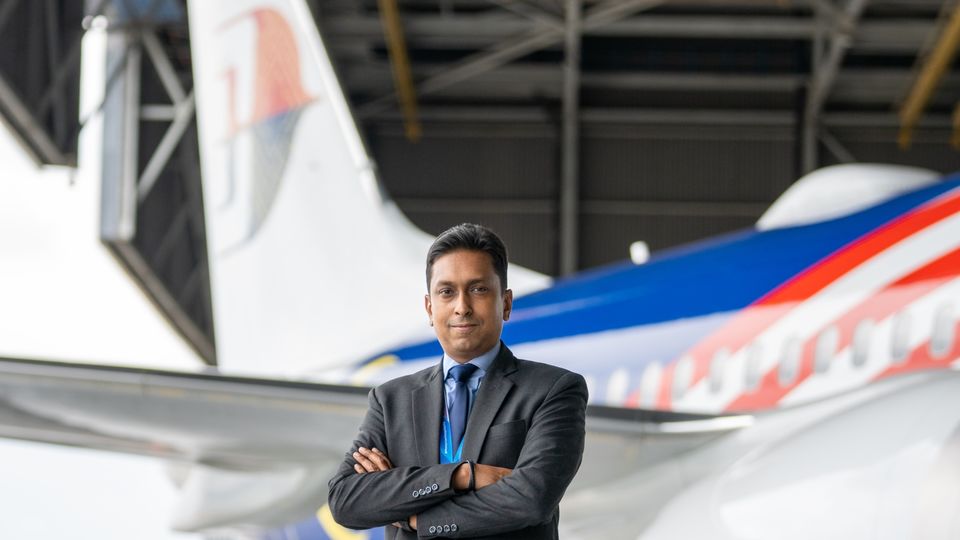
(371, 460)
(487, 475)
(484, 475)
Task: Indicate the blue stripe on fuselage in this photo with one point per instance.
(715, 276)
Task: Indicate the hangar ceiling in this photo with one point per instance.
(578, 126)
(635, 54)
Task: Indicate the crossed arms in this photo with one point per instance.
(368, 491)
(466, 477)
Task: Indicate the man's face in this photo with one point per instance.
(465, 304)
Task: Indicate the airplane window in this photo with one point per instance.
(682, 376)
(900, 342)
(790, 363)
(861, 342)
(617, 386)
(754, 366)
(718, 366)
(826, 349)
(650, 384)
(941, 341)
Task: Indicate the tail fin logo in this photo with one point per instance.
(278, 100)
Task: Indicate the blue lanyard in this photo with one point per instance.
(446, 444)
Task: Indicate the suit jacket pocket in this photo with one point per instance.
(503, 443)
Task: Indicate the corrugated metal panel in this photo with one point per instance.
(706, 165)
(487, 164)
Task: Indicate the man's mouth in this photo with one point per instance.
(463, 326)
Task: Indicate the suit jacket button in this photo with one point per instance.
(446, 528)
(415, 494)
(435, 487)
(427, 490)
(453, 527)
(433, 529)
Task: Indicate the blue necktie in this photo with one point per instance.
(460, 406)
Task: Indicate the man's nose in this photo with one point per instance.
(462, 306)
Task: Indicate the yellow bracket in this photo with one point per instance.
(400, 65)
(933, 69)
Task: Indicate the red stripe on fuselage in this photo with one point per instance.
(759, 316)
(876, 308)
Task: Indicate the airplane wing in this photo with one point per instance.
(197, 417)
(277, 437)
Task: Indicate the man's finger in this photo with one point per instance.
(365, 463)
(377, 458)
(358, 468)
(487, 475)
(384, 457)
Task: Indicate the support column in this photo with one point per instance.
(570, 149)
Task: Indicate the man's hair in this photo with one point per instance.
(470, 237)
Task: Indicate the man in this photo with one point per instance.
(481, 445)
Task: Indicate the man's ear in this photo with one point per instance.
(429, 307)
(507, 304)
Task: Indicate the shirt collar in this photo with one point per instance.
(483, 361)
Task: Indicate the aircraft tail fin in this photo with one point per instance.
(312, 267)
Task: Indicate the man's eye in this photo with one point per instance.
(445, 292)
(480, 290)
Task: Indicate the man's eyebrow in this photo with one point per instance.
(473, 281)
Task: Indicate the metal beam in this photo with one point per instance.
(570, 155)
(66, 67)
(52, 31)
(931, 71)
(517, 116)
(160, 157)
(602, 14)
(840, 41)
(825, 68)
(37, 143)
(400, 64)
(158, 113)
(611, 115)
(528, 80)
(161, 63)
(536, 14)
(883, 120)
(836, 147)
(127, 226)
(886, 35)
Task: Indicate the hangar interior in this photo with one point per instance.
(572, 127)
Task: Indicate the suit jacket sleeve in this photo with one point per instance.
(363, 501)
(531, 493)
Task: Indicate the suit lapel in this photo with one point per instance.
(493, 390)
(427, 406)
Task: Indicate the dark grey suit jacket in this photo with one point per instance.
(527, 416)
